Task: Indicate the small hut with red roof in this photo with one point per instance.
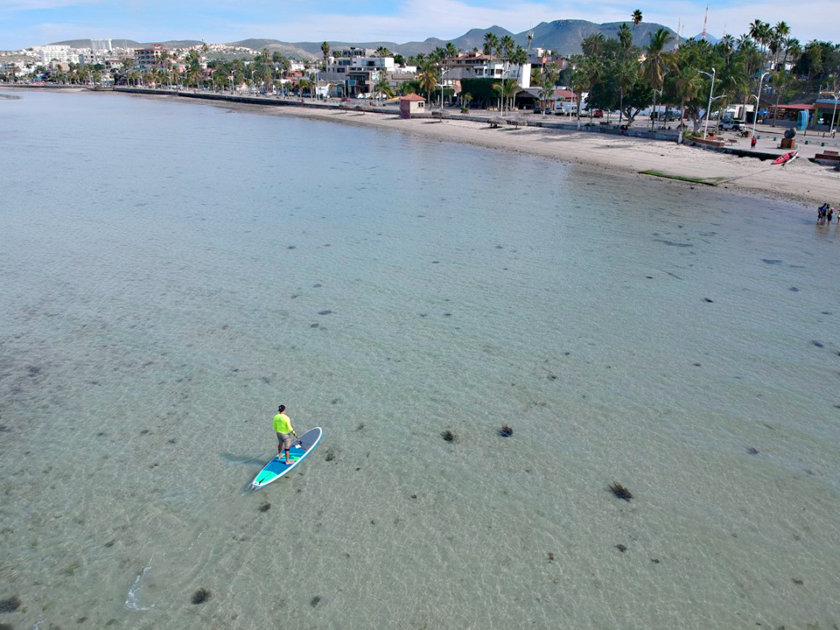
(411, 104)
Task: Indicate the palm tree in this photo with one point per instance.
(593, 46)
(428, 76)
(587, 73)
(325, 50)
(625, 37)
(656, 62)
(383, 85)
(687, 87)
(548, 79)
(491, 43)
(760, 32)
(637, 17)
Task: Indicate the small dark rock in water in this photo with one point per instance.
(505, 431)
(752, 451)
(551, 556)
(448, 436)
(620, 491)
(200, 596)
(4, 429)
(314, 601)
(9, 605)
(771, 261)
(327, 312)
(621, 548)
(330, 455)
(818, 344)
(655, 560)
(708, 300)
(413, 496)
(265, 507)
(797, 581)
(794, 289)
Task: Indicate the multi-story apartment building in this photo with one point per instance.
(477, 65)
(357, 70)
(148, 57)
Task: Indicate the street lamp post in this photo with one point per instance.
(442, 72)
(757, 98)
(834, 114)
(709, 107)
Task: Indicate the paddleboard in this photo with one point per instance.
(278, 467)
(787, 157)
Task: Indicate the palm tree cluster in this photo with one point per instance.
(622, 76)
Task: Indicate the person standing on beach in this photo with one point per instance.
(283, 428)
(753, 142)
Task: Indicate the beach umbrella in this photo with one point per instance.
(763, 112)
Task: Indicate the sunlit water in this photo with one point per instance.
(173, 271)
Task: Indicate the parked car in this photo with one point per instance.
(729, 123)
(598, 113)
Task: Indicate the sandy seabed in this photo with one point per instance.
(800, 180)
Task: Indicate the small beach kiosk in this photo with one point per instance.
(412, 104)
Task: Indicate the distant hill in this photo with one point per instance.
(130, 43)
(561, 36)
(565, 36)
(474, 38)
(709, 38)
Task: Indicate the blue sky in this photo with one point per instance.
(26, 23)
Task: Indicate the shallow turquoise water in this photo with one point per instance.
(171, 272)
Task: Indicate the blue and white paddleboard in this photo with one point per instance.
(278, 467)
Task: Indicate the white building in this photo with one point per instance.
(477, 65)
(60, 53)
(358, 70)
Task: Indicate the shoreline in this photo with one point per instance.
(800, 181)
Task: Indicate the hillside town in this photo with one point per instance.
(735, 82)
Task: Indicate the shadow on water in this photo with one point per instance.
(241, 459)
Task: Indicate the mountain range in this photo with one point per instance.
(561, 36)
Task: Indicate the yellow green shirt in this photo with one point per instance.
(282, 424)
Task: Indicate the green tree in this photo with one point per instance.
(383, 85)
(428, 75)
(688, 85)
(491, 43)
(637, 17)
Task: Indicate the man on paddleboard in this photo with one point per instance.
(283, 428)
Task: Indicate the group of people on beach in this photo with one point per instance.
(825, 213)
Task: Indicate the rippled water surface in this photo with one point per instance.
(173, 271)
